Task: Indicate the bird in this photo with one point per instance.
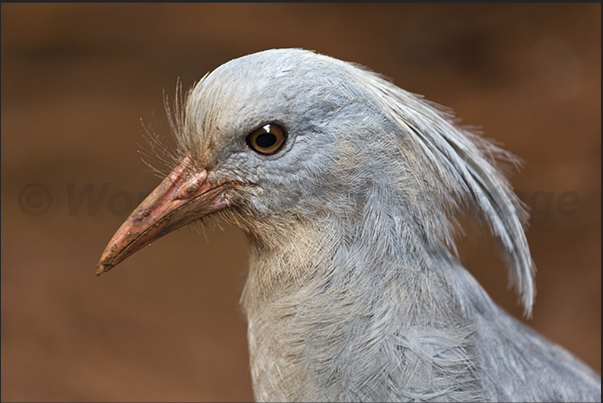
(349, 191)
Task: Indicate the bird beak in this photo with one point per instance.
(182, 198)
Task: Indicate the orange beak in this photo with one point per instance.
(182, 198)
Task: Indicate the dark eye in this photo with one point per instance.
(267, 140)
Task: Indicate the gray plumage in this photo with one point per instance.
(354, 290)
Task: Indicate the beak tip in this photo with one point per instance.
(102, 268)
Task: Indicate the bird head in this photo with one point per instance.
(283, 138)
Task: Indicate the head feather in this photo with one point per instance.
(466, 163)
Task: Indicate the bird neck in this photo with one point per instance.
(327, 296)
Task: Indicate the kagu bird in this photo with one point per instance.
(348, 188)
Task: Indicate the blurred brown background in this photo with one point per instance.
(166, 325)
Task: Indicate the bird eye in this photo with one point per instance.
(267, 139)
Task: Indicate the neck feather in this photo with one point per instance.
(327, 310)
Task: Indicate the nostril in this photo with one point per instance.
(190, 186)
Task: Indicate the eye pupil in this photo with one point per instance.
(268, 139)
(265, 140)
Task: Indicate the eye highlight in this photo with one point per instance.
(267, 139)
